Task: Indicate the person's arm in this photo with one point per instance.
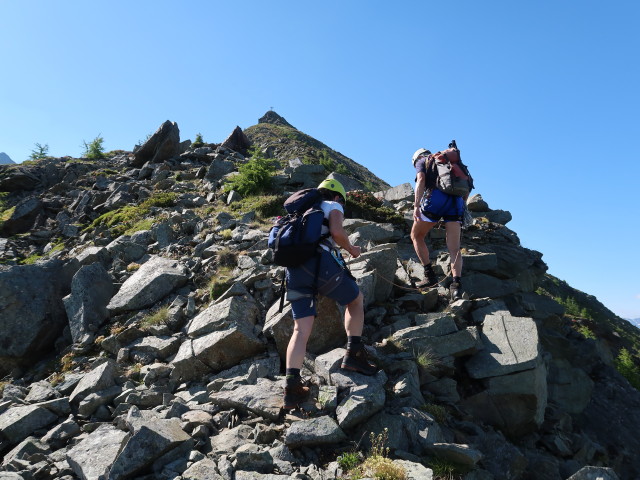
(339, 234)
(420, 182)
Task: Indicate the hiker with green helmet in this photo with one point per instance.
(431, 206)
(325, 273)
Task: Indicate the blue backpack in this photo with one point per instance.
(295, 238)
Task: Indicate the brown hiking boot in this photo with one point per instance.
(357, 360)
(295, 393)
(430, 279)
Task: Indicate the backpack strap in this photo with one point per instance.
(283, 288)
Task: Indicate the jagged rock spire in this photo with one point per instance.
(272, 117)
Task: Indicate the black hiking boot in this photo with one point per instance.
(295, 393)
(357, 360)
(455, 289)
(430, 279)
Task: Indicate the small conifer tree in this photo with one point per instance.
(199, 142)
(94, 150)
(40, 152)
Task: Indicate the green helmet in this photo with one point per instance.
(335, 186)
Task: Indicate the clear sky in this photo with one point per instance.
(542, 98)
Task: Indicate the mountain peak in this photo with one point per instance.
(272, 117)
(5, 159)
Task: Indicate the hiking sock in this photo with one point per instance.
(292, 376)
(458, 280)
(353, 342)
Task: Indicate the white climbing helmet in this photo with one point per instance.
(419, 152)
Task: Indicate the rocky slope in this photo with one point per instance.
(140, 336)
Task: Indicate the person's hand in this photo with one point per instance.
(416, 214)
(354, 251)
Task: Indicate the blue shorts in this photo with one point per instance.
(333, 281)
(441, 206)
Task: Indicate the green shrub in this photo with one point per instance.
(253, 177)
(198, 142)
(628, 369)
(364, 205)
(265, 206)
(129, 217)
(159, 317)
(377, 465)
(586, 332)
(349, 460)
(436, 411)
(94, 150)
(220, 281)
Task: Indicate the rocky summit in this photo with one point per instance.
(141, 334)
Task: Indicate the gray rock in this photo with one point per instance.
(18, 178)
(150, 440)
(480, 262)
(126, 249)
(359, 404)
(233, 197)
(475, 203)
(307, 175)
(86, 305)
(160, 347)
(24, 450)
(480, 285)
(237, 141)
(224, 313)
(414, 470)
(244, 475)
(92, 458)
(381, 259)
(101, 377)
(417, 339)
(570, 388)
(40, 392)
(155, 279)
(375, 233)
(205, 469)
(264, 398)
(594, 473)
(22, 217)
(58, 436)
(18, 423)
(32, 314)
(513, 403)
(397, 194)
(511, 344)
(89, 404)
(315, 431)
(251, 457)
(161, 146)
(328, 331)
(349, 183)
(218, 169)
(228, 440)
(92, 255)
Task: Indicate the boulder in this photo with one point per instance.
(15, 179)
(149, 441)
(218, 169)
(18, 423)
(514, 403)
(328, 329)
(32, 314)
(237, 141)
(456, 453)
(511, 345)
(480, 285)
(86, 305)
(224, 313)
(475, 203)
(420, 339)
(154, 280)
(315, 431)
(307, 175)
(230, 439)
(569, 387)
(101, 377)
(263, 399)
(349, 183)
(162, 145)
(22, 217)
(92, 458)
(359, 404)
(382, 260)
(397, 194)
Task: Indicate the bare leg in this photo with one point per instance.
(453, 244)
(354, 317)
(297, 347)
(419, 232)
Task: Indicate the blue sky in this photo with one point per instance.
(542, 98)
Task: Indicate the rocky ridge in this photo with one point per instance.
(124, 358)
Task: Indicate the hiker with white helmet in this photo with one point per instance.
(325, 273)
(432, 205)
